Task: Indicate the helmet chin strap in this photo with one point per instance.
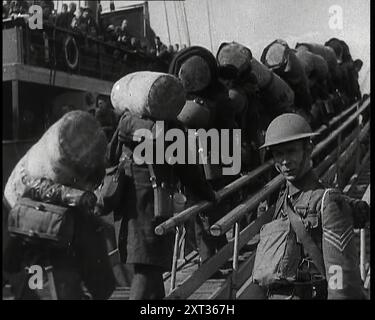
(302, 169)
(277, 167)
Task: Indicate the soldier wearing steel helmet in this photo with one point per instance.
(307, 251)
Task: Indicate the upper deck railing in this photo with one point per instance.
(66, 50)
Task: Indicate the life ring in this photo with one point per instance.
(71, 52)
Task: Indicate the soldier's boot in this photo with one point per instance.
(147, 283)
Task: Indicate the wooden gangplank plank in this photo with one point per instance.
(193, 282)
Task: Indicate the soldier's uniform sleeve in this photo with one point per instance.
(360, 212)
(43, 189)
(340, 252)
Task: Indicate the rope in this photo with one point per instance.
(54, 55)
(186, 24)
(166, 19)
(209, 25)
(178, 25)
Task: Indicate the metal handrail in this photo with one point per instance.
(362, 255)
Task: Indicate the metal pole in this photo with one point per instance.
(338, 167)
(51, 282)
(209, 25)
(187, 24)
(145, 19)
(15, 109)
(367, 281)
(166, 19)
(178, 24)
(362, 254)
(174, 262)
(235, 261)
(46, 48)
(358, 155)
(181, 243)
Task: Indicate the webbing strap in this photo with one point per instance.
(308, 243)
(155, 187)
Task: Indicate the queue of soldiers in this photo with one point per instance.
(276, 102)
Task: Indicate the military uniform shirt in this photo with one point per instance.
(332, 231)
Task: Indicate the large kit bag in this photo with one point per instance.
(328, 54)
(155, 95)
(324, 51)
(196, 67)
(235, 55)
(315, 66)
(71, 152)
(274, 90)
(283, 61)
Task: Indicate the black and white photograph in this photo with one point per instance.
(189, 150)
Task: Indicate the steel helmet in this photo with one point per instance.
(285, 128)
